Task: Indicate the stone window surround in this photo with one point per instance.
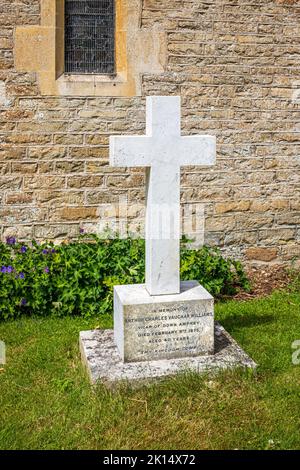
(40, 49)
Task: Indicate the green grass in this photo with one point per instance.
(46, 401)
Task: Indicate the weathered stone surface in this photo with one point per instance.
(261, 253)
(104, 365)
(59, 231)
(74, 213)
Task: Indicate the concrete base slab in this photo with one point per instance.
(104, 364)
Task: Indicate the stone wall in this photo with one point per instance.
(236, 65)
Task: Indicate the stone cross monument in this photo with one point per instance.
(163, 151)
(165, 318)
(164, 326)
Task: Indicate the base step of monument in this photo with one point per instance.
(104, 365)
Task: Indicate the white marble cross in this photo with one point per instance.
(163, 151)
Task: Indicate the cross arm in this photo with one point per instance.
(130, 151)
(198, 150)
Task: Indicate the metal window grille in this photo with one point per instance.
(90, 36)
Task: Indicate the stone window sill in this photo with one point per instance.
(94, 78)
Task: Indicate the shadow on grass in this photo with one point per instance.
(246, 321)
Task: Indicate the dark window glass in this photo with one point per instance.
(89, 36)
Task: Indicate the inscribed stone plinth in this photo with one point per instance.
(148, 328)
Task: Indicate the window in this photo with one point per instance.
(90, 36)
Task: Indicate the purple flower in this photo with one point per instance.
(81, 230)
(7, 269)
(23, 301)
(22, 276)
(23, 249)
(53, 250)
(10, 240)
(46, 270)
(45, 252)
